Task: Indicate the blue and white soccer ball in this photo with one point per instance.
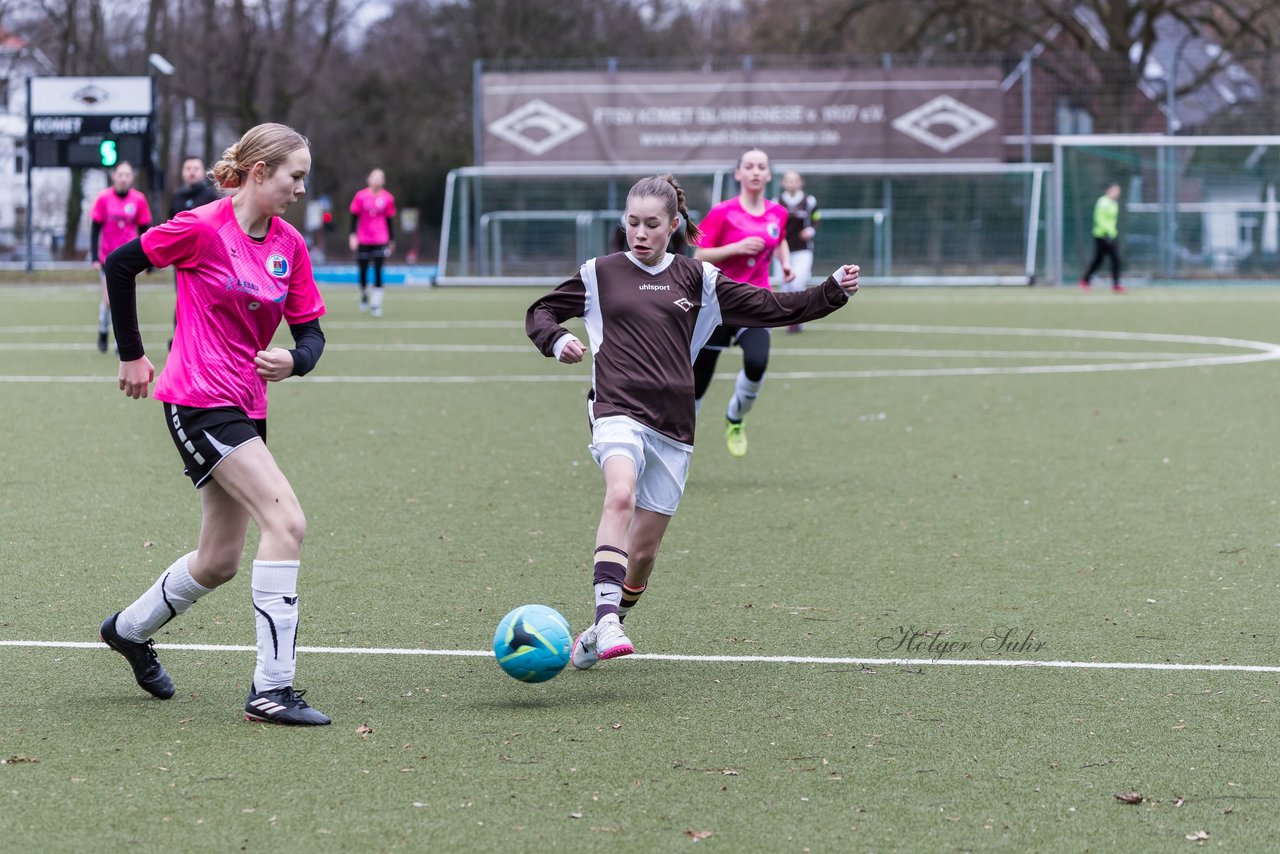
(532, 643)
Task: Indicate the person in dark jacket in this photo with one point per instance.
(195, 190)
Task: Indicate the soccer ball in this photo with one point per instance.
(532, 643)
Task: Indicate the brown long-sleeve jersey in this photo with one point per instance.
(645, 326)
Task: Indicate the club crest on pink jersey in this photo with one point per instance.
(278, 266)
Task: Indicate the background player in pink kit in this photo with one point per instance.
(646, 311)
(241, 269)
(373, 212)
(740, 236)
(119, 214)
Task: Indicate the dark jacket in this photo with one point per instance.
(192, 196)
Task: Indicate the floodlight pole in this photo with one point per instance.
(1170, 161)
(30, 194)
(158, 159)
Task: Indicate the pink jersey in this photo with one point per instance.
(728, 223)
(120, 217)
(232, 293)
(374, 209)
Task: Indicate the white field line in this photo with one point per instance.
(872, 352)
(702, 659)
(1241, 292)
(1261, 351)
(868, 352)
(328, 324)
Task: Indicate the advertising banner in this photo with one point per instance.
(681, 118)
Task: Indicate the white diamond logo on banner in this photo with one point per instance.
(959, 122)
(537, 127)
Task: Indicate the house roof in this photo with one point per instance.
(1188, 53)
(11, 41)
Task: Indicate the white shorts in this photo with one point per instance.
(801, 265)
(662, 464)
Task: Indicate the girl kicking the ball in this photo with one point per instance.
(647, 313)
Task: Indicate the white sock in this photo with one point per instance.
(744, 397)
(104, 318)
(375, 298)
(275, 608)
(607, 593)
(173, 594)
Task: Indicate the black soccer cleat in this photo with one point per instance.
(282, 706)
(147, 669)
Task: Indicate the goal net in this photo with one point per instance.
(1191, 208)
(921, 223)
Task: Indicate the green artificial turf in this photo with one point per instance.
(1103, 516)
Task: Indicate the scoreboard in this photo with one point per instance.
(87, 122)
(90, 141)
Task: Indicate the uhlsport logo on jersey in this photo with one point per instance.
(278, 266)
(684, 304)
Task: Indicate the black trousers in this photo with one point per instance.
(1104, 247)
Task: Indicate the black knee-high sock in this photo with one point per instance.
(630, 596)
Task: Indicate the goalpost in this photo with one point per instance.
(1192, 208)
(1201, 208)
(904, 223)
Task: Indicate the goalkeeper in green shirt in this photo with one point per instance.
(1106, 214)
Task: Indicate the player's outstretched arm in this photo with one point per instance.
(746, 305)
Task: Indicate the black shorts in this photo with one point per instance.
(205, 437)
(371, 251)
(725, 337)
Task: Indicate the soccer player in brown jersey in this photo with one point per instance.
(647, 314)
(802, 222)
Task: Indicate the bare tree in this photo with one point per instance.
(1098, 50)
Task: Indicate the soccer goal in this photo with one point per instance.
(1191, 208)
(913, 224)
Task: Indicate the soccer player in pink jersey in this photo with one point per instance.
(240, 270)
(740, 235)
(373, 234)
(646, 312)
(119, 214)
